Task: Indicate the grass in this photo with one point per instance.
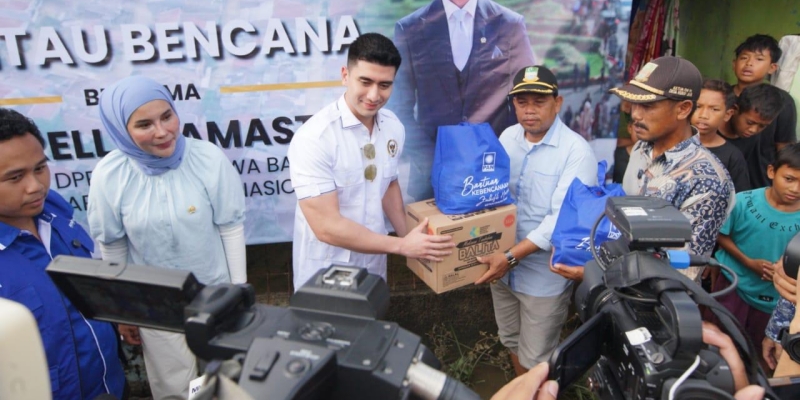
(460, 359)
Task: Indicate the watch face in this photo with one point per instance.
(512, 261)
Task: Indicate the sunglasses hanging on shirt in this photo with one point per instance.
(371, 171)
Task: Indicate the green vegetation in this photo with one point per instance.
(595, 64)
(561, 57)
(548, 9)
(583, 43)
(460, 359)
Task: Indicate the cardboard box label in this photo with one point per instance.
(451, 278)
(487, 244)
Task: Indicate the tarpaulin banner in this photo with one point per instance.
(246, 74)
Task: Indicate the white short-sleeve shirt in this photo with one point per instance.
(326, 155)
(170, 220)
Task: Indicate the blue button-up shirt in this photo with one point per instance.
(541, 173)
(81, 354)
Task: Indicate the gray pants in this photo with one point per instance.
(529, 326)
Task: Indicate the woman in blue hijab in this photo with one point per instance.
(163, 200)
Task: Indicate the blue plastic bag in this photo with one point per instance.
(580, 210)
(471, 169)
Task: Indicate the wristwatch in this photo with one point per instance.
(512, 261)
(791, 344)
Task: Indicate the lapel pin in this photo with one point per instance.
(483, 40)
(192, 209)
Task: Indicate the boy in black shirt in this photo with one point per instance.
(715, 108)
(756, 58)
(755, 109)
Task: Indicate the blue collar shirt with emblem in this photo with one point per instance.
(81, 354)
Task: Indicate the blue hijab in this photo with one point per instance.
(117, 104)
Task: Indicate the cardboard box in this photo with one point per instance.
(475, 234)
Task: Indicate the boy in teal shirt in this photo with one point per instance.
(753, 238)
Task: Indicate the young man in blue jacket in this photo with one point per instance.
(36, 225)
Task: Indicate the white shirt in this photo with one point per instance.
(469, 20)
(326, 155)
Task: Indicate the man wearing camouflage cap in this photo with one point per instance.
(668, 161)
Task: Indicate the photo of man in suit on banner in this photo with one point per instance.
(460, 57)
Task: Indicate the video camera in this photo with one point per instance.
(642, 328)
(329, 343)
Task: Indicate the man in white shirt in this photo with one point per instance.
(344, 173)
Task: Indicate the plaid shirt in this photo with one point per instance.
(692, 179)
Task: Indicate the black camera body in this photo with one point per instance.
(643, 348)
(642, 328)
(328, 344)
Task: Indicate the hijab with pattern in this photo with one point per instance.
(118, 102)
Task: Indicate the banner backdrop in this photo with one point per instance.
(246, 74)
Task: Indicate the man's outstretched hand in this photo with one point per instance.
(417, 243)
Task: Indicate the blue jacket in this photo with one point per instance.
(81, 354)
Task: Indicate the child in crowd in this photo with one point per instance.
(772, 212)
(756, 58)
(714, 108)
(755, 109)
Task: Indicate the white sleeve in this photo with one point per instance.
(311, 165)
(233, 244)
(116, 251)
